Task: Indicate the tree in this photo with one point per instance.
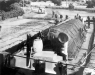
(15, 6)
(5, 4)
(90, 4)
(93, 1)
(71, 6)
(57, 2)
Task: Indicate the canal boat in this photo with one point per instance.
(38, 10)
(54, 51)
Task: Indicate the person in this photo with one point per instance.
(80, 18)
(3, 18)
(17, 17)
(56, 16)
(56, 19)
(60, 45)
(77, 16)
(0, 28)
(40, 10)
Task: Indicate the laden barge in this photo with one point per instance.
(50, 52)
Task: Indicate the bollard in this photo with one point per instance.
(0, 28)
(94, 23)
(28, 50)
(88, 18)
(56, 16)
(1, 63)
(61, 18)
(66, 16)
(53, 14)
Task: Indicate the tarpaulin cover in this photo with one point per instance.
(72, 29)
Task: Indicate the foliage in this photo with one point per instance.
(90, 4)
(14, 6)
(40, 0)
(57, 2)
(12, 13)
(5, 4)
(93, 1)
(71, 6)
(25, 2)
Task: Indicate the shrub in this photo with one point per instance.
(14, 6)
(71, 6)
(5, 4)
(57, 2)
(93, 1)
(25, 3)
(12, 13)
(90, 4)
(3, 15)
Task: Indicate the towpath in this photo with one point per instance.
(15, 30)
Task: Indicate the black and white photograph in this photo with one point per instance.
(47, 37)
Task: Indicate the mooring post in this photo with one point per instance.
(66, 17)
(88, 19)
(53, 13)
(1, 63)
(61, 16)
(28, 50)
(93, 23)
(0, 28)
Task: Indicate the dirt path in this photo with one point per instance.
(15, 30)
